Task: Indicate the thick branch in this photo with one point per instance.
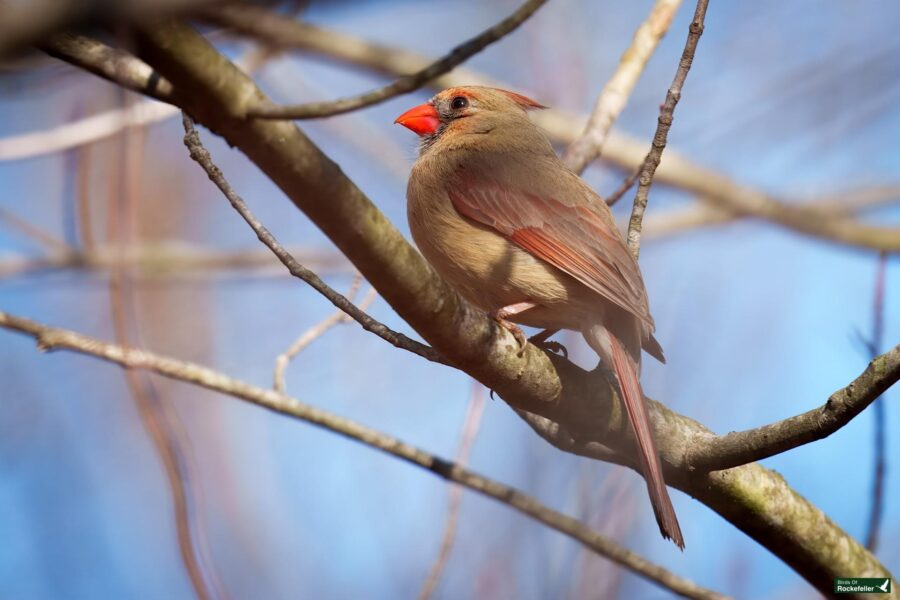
(614, 96)
(738, 448)
(50, 338)
(666, 114)
(111, 64)
(581, 406)
(404, 85)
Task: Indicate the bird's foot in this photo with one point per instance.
(501, 317)
(540, 340)
(513, 329)
(554, 347)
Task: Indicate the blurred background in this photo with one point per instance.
(124, 238)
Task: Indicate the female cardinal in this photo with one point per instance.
(499, 216)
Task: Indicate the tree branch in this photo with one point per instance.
(111, 64)
(50, 338)
(471, 424)
(666, 114)
(831, 206)
(879, 466)
(404, 85)
(165, 259)
(614, 96)
(738, 448)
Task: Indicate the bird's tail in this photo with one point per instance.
(613, 353)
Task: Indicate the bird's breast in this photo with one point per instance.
(485, 268)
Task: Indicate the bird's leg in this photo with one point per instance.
(541, 341)
(501, 314)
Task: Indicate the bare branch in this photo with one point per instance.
(83, 131)
(406, 84)
(48, 240)
(174, 260)
(880, 466)
(832, 206)
(666, 114)
(51, 338)
(738, 448)
(160, 422)
(471, 424)
(111, 64)
(318, 330)
(25, 23)
(612, 100)
(201, 157)
(626, 185)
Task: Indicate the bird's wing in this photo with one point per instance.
(565, 224)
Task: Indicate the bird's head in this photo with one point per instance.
(468, 109)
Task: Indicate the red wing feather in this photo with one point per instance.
(574, 238)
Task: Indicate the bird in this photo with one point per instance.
(498, 216)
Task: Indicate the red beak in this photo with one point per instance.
(423, 119)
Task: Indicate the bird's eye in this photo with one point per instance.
(459, 102)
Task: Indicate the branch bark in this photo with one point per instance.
(614, 96)
(50, 338)
(580, 409)
(666, 114)
(109, 63)
(739, 448)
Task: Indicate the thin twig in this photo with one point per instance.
(404, 85)
(626, 185)
(614, 96)
(51, 338)
(201, 157)
(880, 467)
(666, 113)
(44, 238)
(318, 330)
(739, 448)
(471, 424)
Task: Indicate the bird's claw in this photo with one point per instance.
(552, 346)
(541, 341)
(500, 318)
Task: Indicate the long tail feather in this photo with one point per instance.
(622, 364)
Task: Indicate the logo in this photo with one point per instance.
(862, 585)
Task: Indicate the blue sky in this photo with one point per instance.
(758, 324)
